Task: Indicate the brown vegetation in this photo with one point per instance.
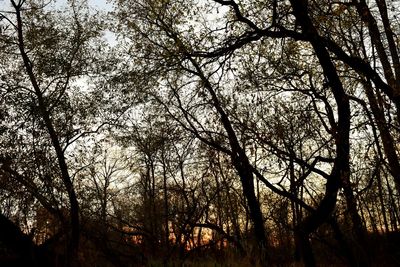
(206, 133)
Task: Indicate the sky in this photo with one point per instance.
(96, 4)
(100, 5)
(104, 5)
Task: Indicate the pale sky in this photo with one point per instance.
(96, 4)
(100, 5)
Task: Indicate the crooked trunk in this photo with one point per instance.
(241, 163)
(247, 181)
(340, 172)
(54, 137)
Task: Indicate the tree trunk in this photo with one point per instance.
(341, 168)
(389, 146)
(73, 246)
(242, 165)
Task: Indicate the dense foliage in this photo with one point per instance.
(200, 132)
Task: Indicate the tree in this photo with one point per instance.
(261, 132)
(202, 57)
(38, 83)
